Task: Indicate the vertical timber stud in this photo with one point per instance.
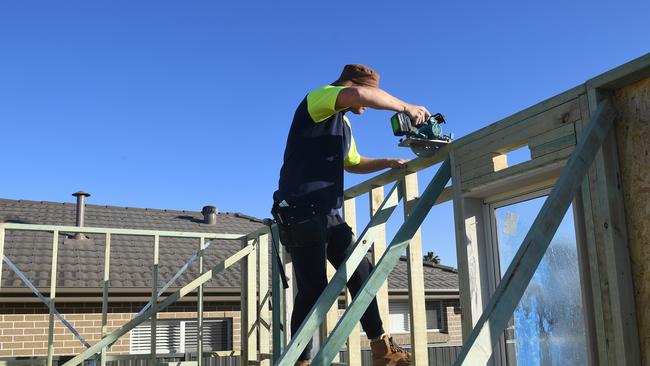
(154, 298)
(264, 300)
(354, 343)
(378, 249)
(199, 308)
(598, 297)
(617, 266)
(50, 334)
(248, 337)
(107, 266)
(468, 264)
(416, 278)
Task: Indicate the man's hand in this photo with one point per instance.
(396, 163)
(417, 113)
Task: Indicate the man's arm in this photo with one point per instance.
(376, 98)
(370, 165)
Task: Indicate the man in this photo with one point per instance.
(319, 148)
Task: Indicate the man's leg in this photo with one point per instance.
(384, 351)
(311, 278)
(340, 237)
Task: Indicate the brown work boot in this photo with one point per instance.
(302, 363)
(386, 353)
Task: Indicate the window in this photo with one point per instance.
(547, 327)
(400, 318)
(179, 336)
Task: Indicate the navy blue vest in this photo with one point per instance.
(312, 172)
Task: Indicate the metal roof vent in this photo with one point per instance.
(209, 215)
(81, 212)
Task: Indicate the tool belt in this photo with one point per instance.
(300, 226)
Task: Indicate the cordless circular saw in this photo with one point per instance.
(425, 139)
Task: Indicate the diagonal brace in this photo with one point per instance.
(383, 269)
(485, 335)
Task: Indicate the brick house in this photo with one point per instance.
(24, 318)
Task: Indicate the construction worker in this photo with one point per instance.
(319, 148)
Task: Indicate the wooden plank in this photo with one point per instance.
(248, 335)
(616, 245)
(378, 249)
(588, 223)
(397, 174)
(478, 348)
(484, 165)
(354, 342)
(415, 273)
(628, 73)
(154, 298)
(477, 163)
(107, 266)
(199, 308)
(553, 146)
(264, 299)
(204, 277)
(518, 134)
(463, 252)
(554, 134)
(557, 158)
(383, 269)
(116, 231)
(53, 270)
(338, 282)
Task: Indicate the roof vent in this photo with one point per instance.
(209, 215)
(81, 212)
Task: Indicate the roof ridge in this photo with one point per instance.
(433, 265)
(238, 215)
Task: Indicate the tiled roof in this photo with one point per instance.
(81, 263)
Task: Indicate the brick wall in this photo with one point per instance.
(24, 326)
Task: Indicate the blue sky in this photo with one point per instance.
(180, 104)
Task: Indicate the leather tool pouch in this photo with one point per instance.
(300, 229)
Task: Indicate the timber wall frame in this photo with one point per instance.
(255, 300)
(480, 175)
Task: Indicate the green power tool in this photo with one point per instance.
(425, 139)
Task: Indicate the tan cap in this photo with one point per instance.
(357, 74)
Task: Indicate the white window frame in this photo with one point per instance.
(407, 321)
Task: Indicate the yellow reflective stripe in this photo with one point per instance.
(321, 103)
(353, 157)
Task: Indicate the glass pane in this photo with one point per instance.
(547, 327)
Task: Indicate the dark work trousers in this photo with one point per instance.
(311, 276)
